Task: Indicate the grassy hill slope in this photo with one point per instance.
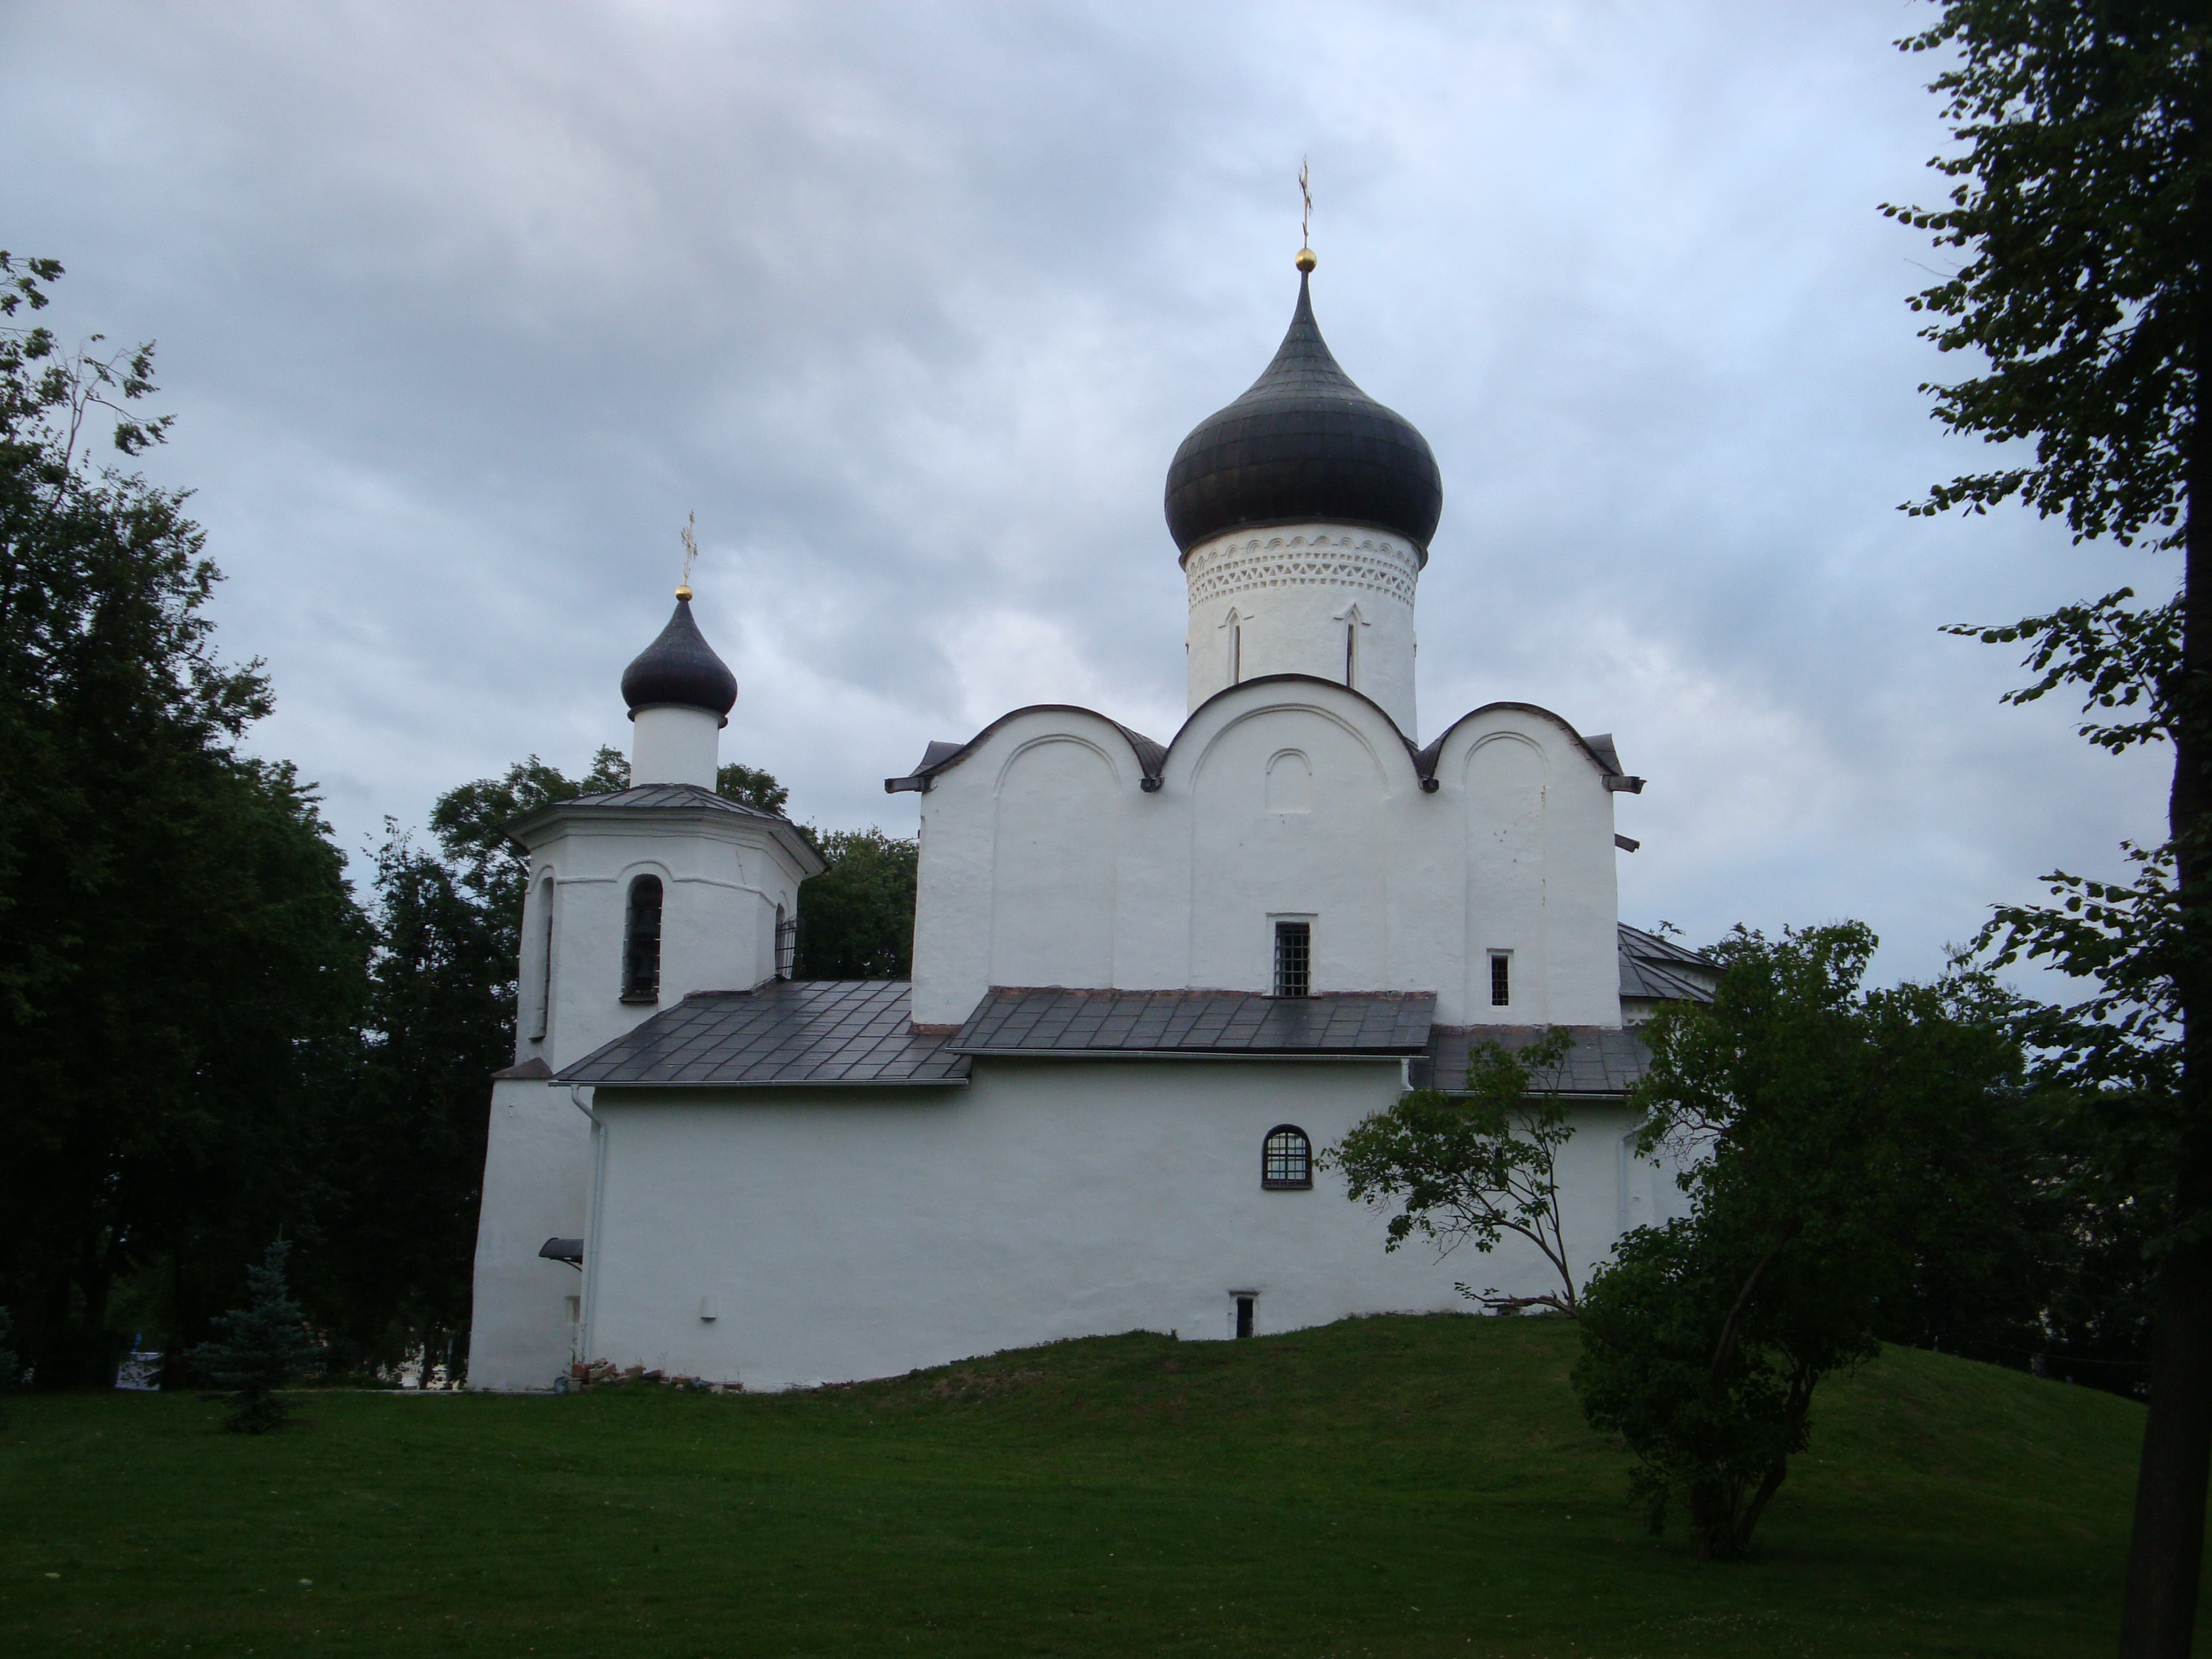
(1399, 1485)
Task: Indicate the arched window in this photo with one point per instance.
(642, 942)
(1287, 1159)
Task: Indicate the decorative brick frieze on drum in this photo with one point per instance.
(1242, 563)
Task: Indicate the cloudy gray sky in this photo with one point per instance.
(463, 308)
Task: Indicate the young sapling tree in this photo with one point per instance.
(1473, 1167)
(259, 1348)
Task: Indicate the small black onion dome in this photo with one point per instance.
(1304, 443)
(680, 668)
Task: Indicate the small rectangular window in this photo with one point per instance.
(1244, 1315)
(1293, 958)
(1501, 979)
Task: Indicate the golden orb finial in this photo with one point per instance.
(1306, 261)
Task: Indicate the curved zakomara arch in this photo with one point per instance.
(1350, 728)
(1543, 757)
(1149, 754)
(1152, 757)
(1043, 739)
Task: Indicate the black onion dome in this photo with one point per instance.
(681, 668)
(1304, 443)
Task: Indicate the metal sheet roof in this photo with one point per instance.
(806, 1032)
(1056, 1021)
(1605, 1060)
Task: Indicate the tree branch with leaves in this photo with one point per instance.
(1473, 1166)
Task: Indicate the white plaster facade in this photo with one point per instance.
(1046, 860)
(851, 1233)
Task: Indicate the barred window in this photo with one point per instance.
(1286, 1159)
(1293, 958)
(642, 942)
(786, 942)
(1501, 979)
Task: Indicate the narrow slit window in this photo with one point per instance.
(544, 997)
(642, 942)
(1287, 1159)
(1501, 979)
(1236, 650)
(1350, 650)
(1293, 958)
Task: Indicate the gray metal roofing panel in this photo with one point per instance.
(649, 795)
(1052, 1020)
(1651, 947)
(1605, 1060)
(792, 1032)
(1648, 979)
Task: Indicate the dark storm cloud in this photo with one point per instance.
(464, 308)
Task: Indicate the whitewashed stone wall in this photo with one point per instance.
(723, 881)
(1044, 862)
(785, 1238)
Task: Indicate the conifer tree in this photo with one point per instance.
(259, 1348)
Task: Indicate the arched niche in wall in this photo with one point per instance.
(1290, 782)
(1507, 783)
(1053, 866)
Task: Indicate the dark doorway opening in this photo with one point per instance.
(1244, 1315)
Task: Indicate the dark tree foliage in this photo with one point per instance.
(856, 918)
(2083, 213)
(734, 781)
(259, 1348)
(180, 958)
(386, 1265)
(1823, 1127)
(1471, 1165)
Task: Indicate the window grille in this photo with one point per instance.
(1293, 958)
(1501, 979)
(642, 942)
(1287, 1159)
(786, 942)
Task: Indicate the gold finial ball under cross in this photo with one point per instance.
(1305, 260)
(684, 591)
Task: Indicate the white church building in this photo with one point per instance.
(1151, 981)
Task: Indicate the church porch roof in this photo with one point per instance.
(1051, 1020)
(1605, 1061)
(817, 1033)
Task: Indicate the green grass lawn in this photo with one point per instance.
(1397, 1485)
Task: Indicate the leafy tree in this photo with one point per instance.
(856, 918)
(1811, 1115)
(1471, 1167)
(470, 822)
(180, 958)
(259, 1348)
(736, 781)
(2083, 208)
